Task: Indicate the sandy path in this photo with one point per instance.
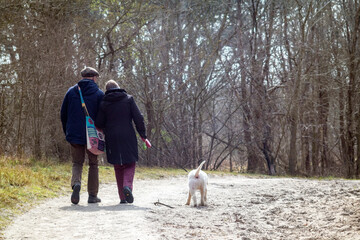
(239, 208)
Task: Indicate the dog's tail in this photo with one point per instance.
(198, 169)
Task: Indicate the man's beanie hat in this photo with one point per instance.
(89, 72)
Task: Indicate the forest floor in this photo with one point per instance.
(239, 207)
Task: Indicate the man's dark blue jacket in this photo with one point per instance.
(72, 113)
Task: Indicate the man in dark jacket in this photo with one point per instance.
(116, 115)
(73, 122)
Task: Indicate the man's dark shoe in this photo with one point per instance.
(122, 201)
(128, 194)
(75, 196)
(93, 199)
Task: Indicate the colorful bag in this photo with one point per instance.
(95, 137)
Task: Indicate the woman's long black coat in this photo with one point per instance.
(116, 115)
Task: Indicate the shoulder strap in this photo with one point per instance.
(83, 102)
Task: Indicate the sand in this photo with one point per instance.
(238, 208)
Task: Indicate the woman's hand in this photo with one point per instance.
(147, 142)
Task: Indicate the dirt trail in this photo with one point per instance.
(238, 208)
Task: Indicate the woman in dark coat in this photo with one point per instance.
(116, 115)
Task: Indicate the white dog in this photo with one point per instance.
(197, 181)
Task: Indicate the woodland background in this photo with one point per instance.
(247, 85)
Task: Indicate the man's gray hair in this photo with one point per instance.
(111, 84)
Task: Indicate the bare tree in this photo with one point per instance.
(270, 86)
